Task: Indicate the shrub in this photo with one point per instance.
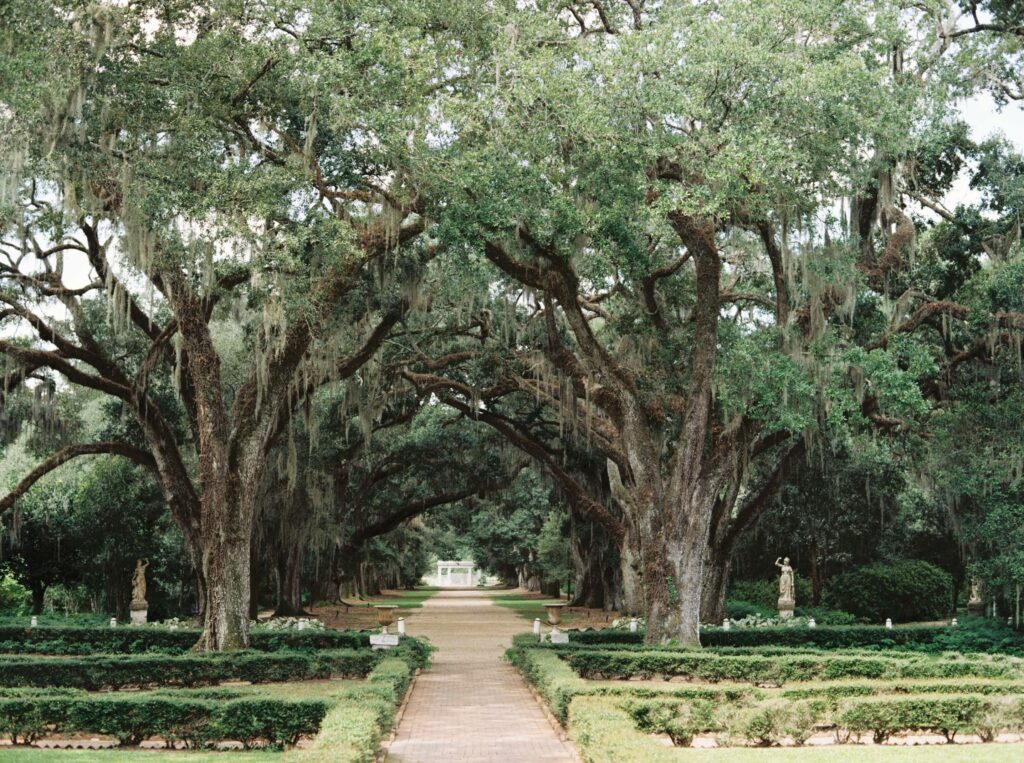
(765, 724)
(682, 721)
(765, 593)
(14, 596)
(131, 720)
(353, 727)
(739, 610)
(826, 616)
(884, 717)
(708, 666)
(99, 672)
(825, 637)
(553, 679)
(905, 591)
(19, 638)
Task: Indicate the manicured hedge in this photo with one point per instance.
(558, 684)
(102, 672)
(844, 689)
(132, 720)
(823, 637)
(129, 640)
(776, 670)
(553, 679)
(359, 717)
(884, 717)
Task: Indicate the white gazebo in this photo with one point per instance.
(456, 574)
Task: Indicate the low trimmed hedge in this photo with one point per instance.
(131, 720)
(558, 684)
(116, 671)
(823, 637)
(884, 716)
(555, 681)
(352, 730)
(708, 666)
(133, 640)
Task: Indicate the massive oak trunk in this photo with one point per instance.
(227, 531)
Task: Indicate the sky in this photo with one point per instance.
(986, 119)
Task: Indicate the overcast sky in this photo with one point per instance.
(986, 120)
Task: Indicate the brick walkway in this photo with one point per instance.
(470, 705)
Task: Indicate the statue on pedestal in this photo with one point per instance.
(139, 605)
(787, 589)
(975, 604)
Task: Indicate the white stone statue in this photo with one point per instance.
(975, 591)
(787, 590)
(139, 581)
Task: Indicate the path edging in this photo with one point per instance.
(562, 731)
(385, 744)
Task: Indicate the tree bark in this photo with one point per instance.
(38, 596)
(227, 532)
(716, 582)
(289, 566)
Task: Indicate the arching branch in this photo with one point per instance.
(64, 455)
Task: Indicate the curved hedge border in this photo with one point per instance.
(132, 720)
(116, 671)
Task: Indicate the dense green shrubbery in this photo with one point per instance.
(14, 597)
(766, 722)
(737, 609)
(17, 639)
(907, 590)
(354, 725)
(843, 689)
(825, 637)
(886, 716)
(131, 720)
(99, 672)
(765, 593)
(708, 666)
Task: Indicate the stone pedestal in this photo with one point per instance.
(139, 611)
(786, 607)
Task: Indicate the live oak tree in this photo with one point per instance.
(685, 204)
(169, 164)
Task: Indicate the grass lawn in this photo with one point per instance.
(27, 755)
(940, 753)
(530, 606)
(403, 599)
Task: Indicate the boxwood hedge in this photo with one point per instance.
(16, 639)
(132, 720)
(115, 671)
(711, 667)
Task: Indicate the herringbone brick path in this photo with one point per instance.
(470, 706)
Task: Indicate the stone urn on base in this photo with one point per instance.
(385, 615)
(554, 613)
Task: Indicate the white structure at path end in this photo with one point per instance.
(454, 574)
